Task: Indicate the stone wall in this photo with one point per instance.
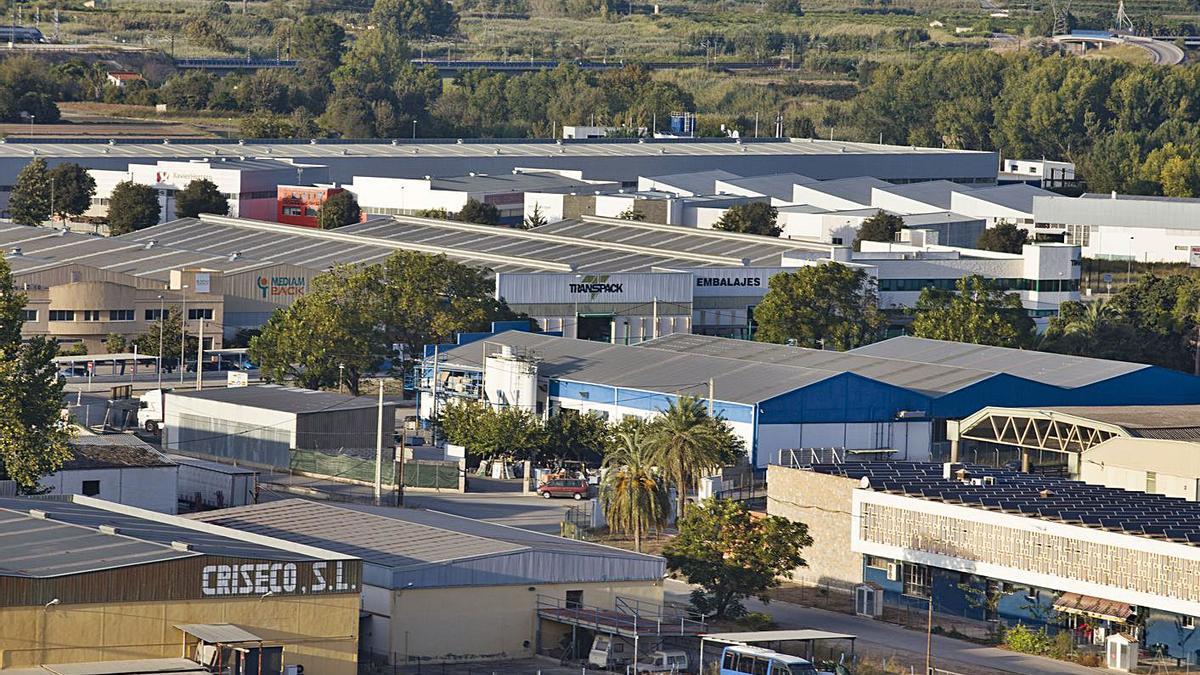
(822, 502)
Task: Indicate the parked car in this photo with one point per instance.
(575, 488)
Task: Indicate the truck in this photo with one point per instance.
(150, 411)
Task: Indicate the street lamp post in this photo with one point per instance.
(183, 334)
(414, 130)
(162, 306)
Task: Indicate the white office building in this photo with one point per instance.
(250, 185)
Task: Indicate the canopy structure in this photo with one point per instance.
(775, 638)
(218, 633)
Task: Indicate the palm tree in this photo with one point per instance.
(1095, 315)
(686, 442)
(633, 495)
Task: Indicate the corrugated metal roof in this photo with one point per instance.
(223, 633)
(69, 540)
(122, 667)
(686, 184)
(776, 185)
(1016, 196)
(1167, 422)
(1058, 370)
(935, 193)
(651, 370)
(924, 377)
(428, 549)
(112, 451)
(857, 189)
(283, 399)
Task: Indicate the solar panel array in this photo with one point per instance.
(1035, 496)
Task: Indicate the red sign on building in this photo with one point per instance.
(299, 204)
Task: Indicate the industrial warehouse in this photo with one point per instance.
(438, 587)
(83, 579)
(1114, 569)
(889, 399)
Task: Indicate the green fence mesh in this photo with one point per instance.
(355, 466)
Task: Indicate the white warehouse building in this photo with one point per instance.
(1123, 227)
(250, 185)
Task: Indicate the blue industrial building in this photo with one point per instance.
(892, 397)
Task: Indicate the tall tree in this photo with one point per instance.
(414, 17)
(33, 433)
(687, 442)
(335, 323)
(577, 436)
(132, 207)
(167, 331)
(475, 211)
(823, 306)
(318, 43)
(732, 555)
(879, 227)
(200, 196)
(633, 494)
(750, 218)
(1003, 238)
(29, 203)
(489, 432)
(71, 190)
(339, 210)
(977, 311)
(535, 218)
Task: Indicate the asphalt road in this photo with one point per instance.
(885, 639)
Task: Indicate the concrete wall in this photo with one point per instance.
(823, 503)
(152, 488)
(324, 629)
(1134, 480)
(490, 622)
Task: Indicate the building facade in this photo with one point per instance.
(1124, 227)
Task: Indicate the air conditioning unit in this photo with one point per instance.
(894, 570)
(868, 600)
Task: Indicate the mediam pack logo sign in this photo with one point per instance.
(274, 287)
(595, 284)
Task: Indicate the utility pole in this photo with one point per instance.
(162, 306)
(712, 394)
(654, 320)
(929, 634)
(433, 391)
(183, 335)
(379, 448)
(200, 357)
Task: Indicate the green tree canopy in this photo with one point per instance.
(576, 436)
(339, 210)
(977, 311)
(475, 211)
(634, 493)
(489, 432)
(318, 43)
(733, 556)
(29, 203)
(879, 227)
(633, 214)
(1003, 238)
(750, 218)
(33, 434)
(167, 330)
(200, 196)
(132, 207)
(72, 189)
(823, 306)
(535, 218)
(414, 17)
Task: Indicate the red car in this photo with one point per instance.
(575, 488)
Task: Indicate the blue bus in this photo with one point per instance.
(746, 660)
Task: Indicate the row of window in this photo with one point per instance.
(205, 313)
(1042, 285)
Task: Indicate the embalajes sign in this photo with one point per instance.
(706, 282)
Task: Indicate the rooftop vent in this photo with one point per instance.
(108, 529)
(312, 141)
(1046, 494)
(151, 244)
(181, 546)
(235, 255)
(16, 250)
(395, 142)
(39, 514)
(949, 469)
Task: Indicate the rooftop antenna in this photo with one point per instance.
(1122, 20)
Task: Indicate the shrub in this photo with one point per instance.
(756, 621)
(1022, 639)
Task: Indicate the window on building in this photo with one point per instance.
(574, 599)
(120, 315)
(876, 562)
(62, 315)
(1187, 622)
(918, 579)
(205, 313)
(1151, 482)
(91, 488)
(91, 315)
(29, 315)
(293, 210)
(153, 314)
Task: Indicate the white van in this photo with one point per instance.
(610, 652)
(669, 662)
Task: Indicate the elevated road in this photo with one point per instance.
(1161, 52)
(451, 67)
